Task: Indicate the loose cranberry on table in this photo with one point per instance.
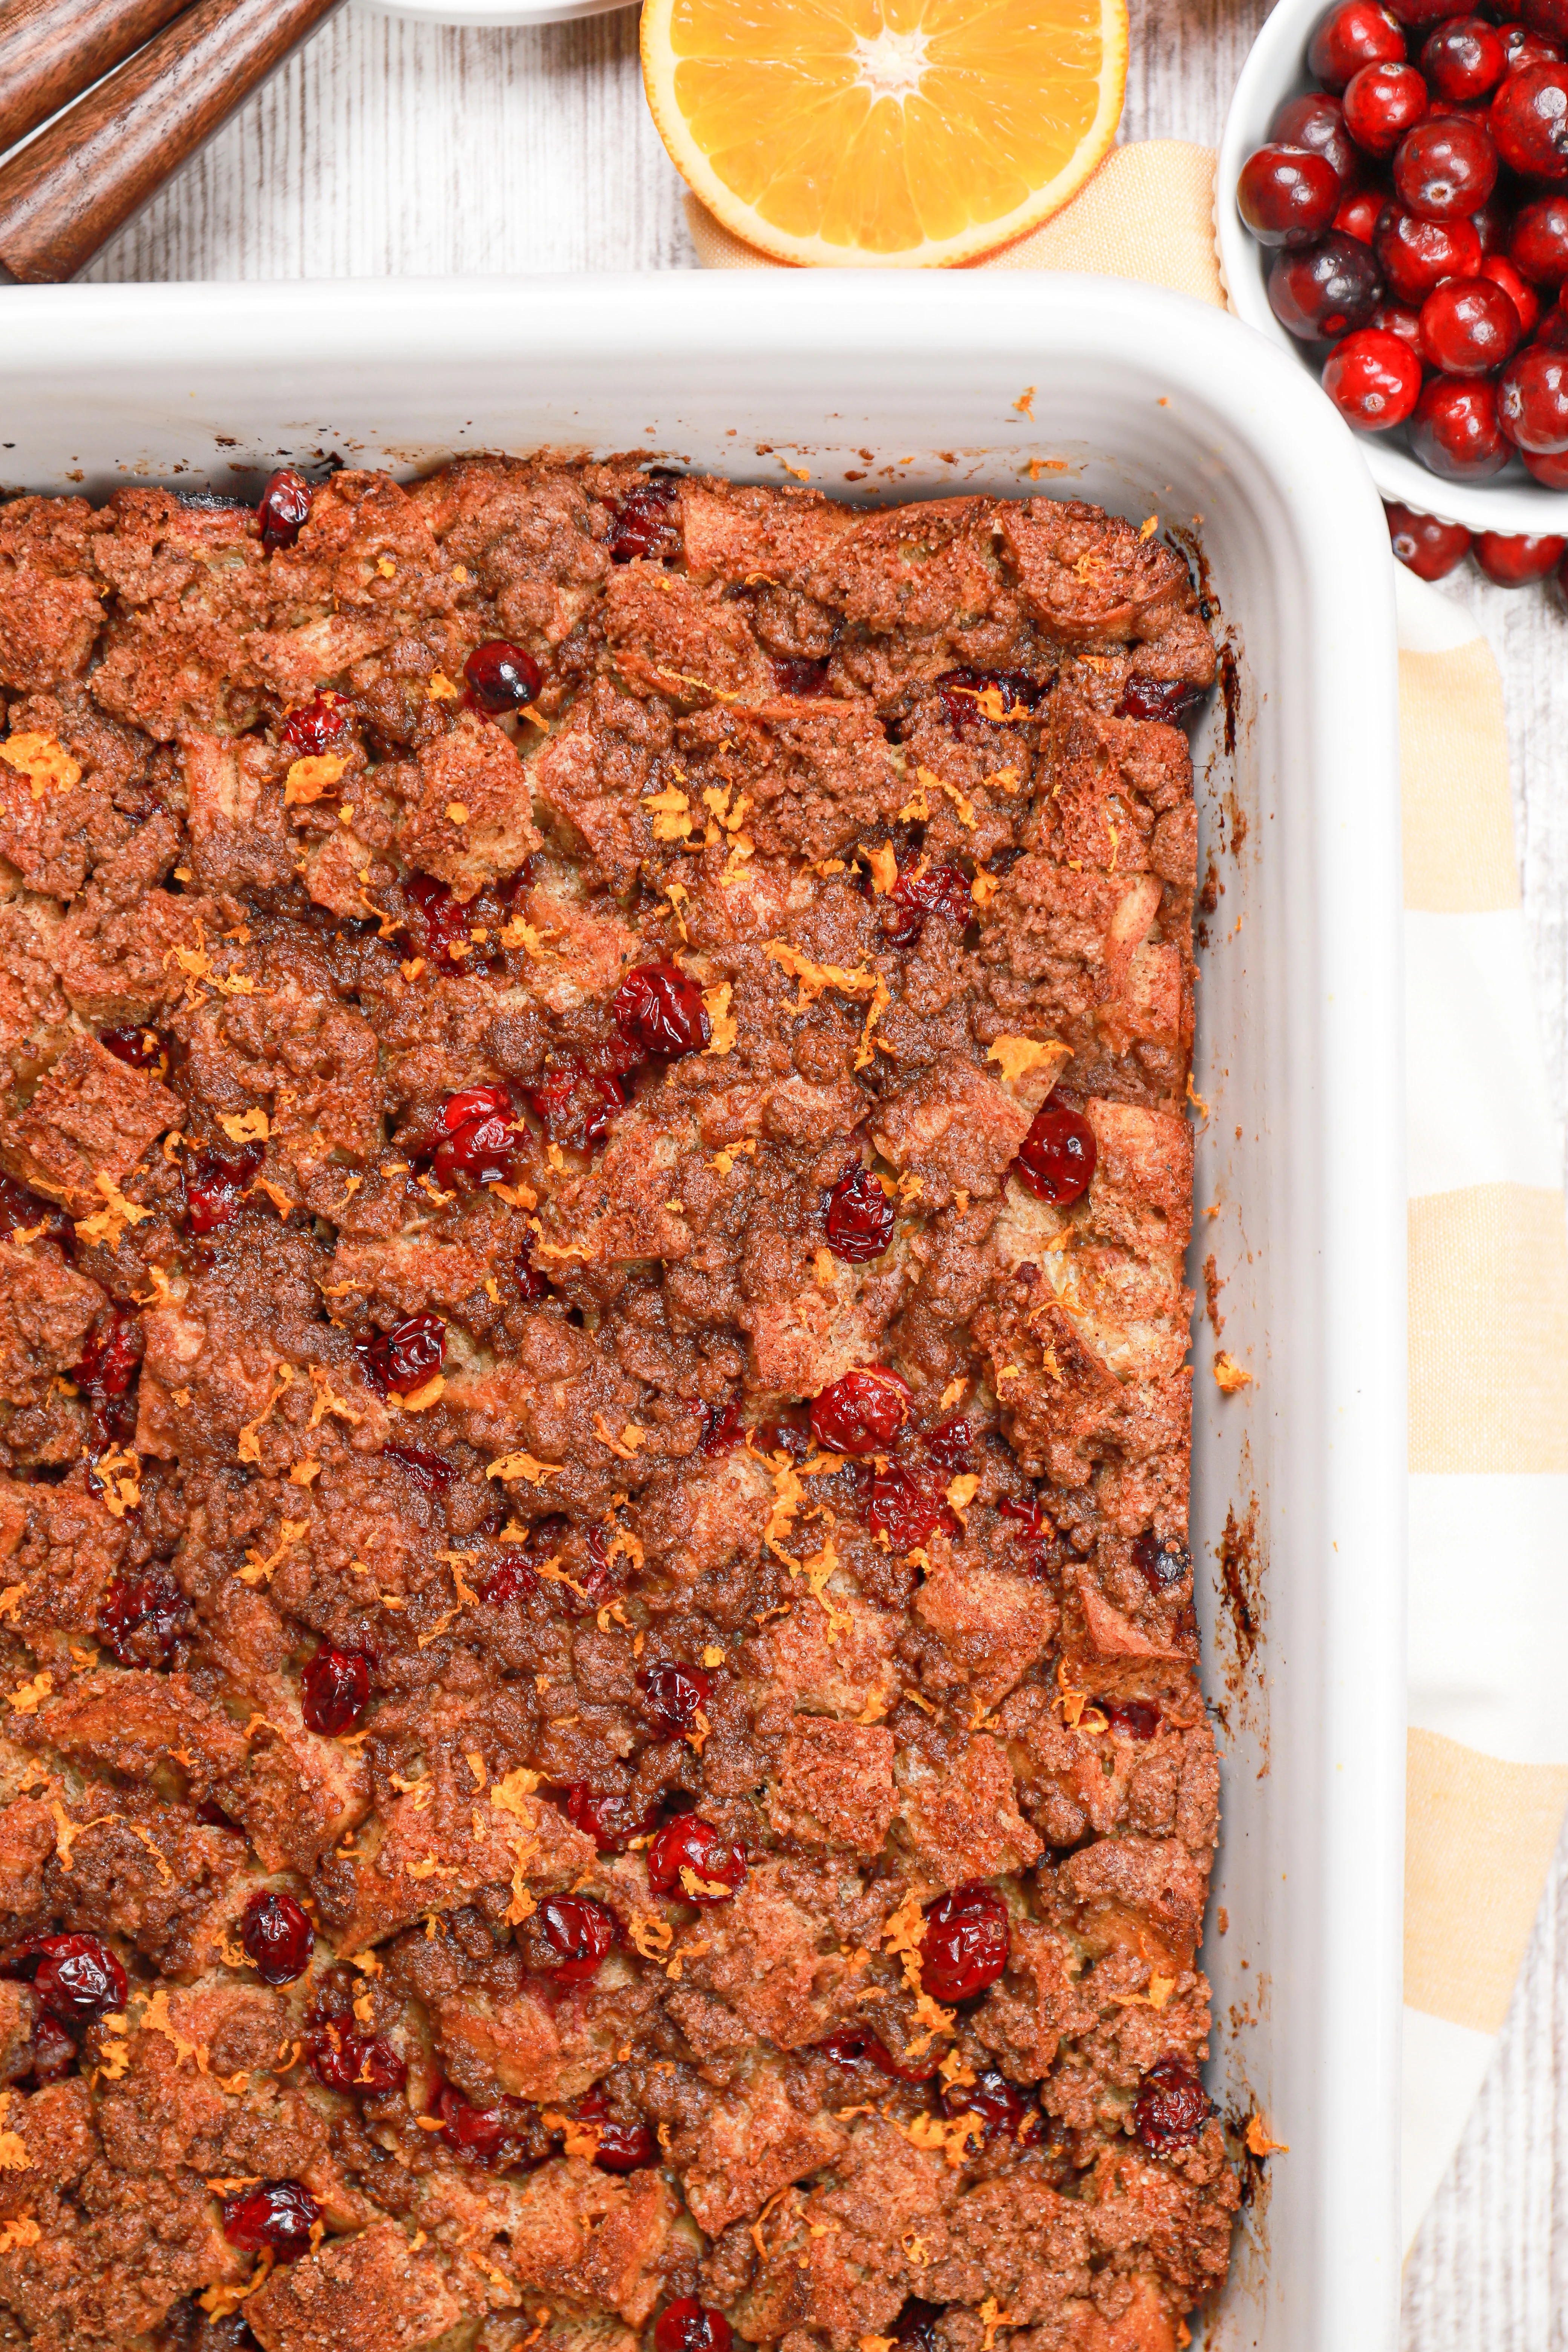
(1356, 35)
(674, 1696)
(477, 1143)
(279, 2215)
(366, 2064)
(1373, 380)
(1538, 244)
(1056, 1157)
(502, 677)
(1516, 561)
(76, 1979)
(1446, 168)
(276, 1933)
(611, 1821)
(1317, 121)
(1286, 195)
(140, 1616)
(1424, 545)
(1520, 292)
(335, 1690)
(862, 1412)
(693, 1862)
(284, 508)
(1381, 103)
(966, 1941)
(1532, 400)
(405, 1357)
(1326, 291)
(687, 2325)
(216, 1184)
(1529, 120)
(858, 1217)
(1358, 213)
(1416, 255)
(1454, 429)
(1464, 58)
(660, 1008)
(317, 725)
(1468, 327)
(575, 1936)
(1170, 2108)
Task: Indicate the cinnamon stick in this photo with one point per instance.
(51, 51)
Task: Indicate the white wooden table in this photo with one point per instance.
(391, 148)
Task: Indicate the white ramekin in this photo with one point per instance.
(495, 12)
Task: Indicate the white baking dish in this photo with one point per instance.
(1151, 405)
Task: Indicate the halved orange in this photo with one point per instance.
(866, 133)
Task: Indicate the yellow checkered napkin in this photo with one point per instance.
(1489, 1271)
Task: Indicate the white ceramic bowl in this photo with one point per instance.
(496, 12)
(1276, 69)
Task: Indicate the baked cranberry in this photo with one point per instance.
(1532, 400)
(279, 2215)
(52, 2053)
(575, 1106)
(691, 1859)
(1032, 1531)
(859, 1216)
(502, 677)
(1464, 58)
(970, 694)
(1056, 1157)
(900, 1505)
(949, 1445)
(1383, 102)
(1162, 1561)
(347, 2062)
(622, 2146)
(1553, 471)
(1134, 1718)
(576, 1934)
(1468, 326)
(921, 891)
(1171, 699)
(317, 724)
(1357, 214)
(335, 1690)
(722, 1428)
(1317, 121)
(22, 1210)
(216, 1183)
(405, 1357)
(513, 1581)
(1445, 169)
(1170, 2108)
(862, 1412)
(1514, 562)
(687, 2325)
(853, 2045)
(915, 2327)
(140, 1616)
(1538, 246)
(1424, 545)
(530, 1283)
(76, 1979)
(659, 1008)
(477, 1143)
(283, 509)
(1325, 291)
(1529, 120)
(430, 1472)
(786, 1437)
(804, 679)
(966, 1945)
(674, 1696)
(999, 2104)
(1373, 380)
(611, 1821)
(645, 524)
(1397, 319)
(1520, 292)
(1357, 34)
(108, 1367)
(1286, 195)
(437, 928)
(278, 1936)
(1416, 255)
(137, 1046)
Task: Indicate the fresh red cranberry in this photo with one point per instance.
(216, 1183)
(76, 1979)
(140, 1617)
(1552, 334)
(1373, 380)
(430, 1472)
(1514, 562)
(675, 1695)
(1134, 1718)
(1424, 545)
(1419, 15)
(1056, 1157)
(335, 1690)
(477, 1143)
(964, 1948)
(1326, 291)
(1446, 168)
(611, 1821)
(1538, 246)
(405, 1357)
(284, 508)
(1523, 47)
(687, 2325)
(1356, 35)
(859, 1216)
(862, 1412)
(1548, 17)
(22, 1210)
(1000, 2105)
(1286, 195)
(1532, 400)
(1383, 102)
(645, 525)
(1529, 120)
(688, 1857)
(576, 1934)
(350, 2063)
(1550, 471)
(1520, 292)
(1464, 58)
(806, 680)
(901, 1505)
(140, 1047)
(1317, 121)
(1162, 1561)
(1397, 318)
(317, 724)
(1171, 699)
(502, 677)
(1357, 214)
(1468, 326)
(965, 693)
(280, 2215)
(278, 1936)
(659, 1008)
(1416, 255)
(1170, 2108)
(921, 891)
(438, 923)
(722, 1429)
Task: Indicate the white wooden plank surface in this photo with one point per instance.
(392, 148)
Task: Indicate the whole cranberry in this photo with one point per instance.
(1551, 471)
(1424, 545)
(1326, 291)
(278, 1936)
(1523, 47)
(1552, 334)
(1357, 214)
(1419, 15)
(969, 696)
(335, 1690)
(1383, 102)
(1538, 247)
(921, 891)
(622, 2146)
(76, 1979)
(137, 1046)
(53, 2053)
(1468, 327)
(1549, 17)
(488, 2136)
(861, 1413)
(1162, 1561)
(502, 677)
(675, 1695)
(1171, 699)
(1529, 119)
(317, 724)
(216, 1182)
(405, 1357)
(645, 524)
(1514, 562)
(1357, 34)
(1170, 2108)
(859, 1216)
(477, 1143)
(1520, 293)
(901, 1505)
(279, 2215)
(1493, 223)
(853, 2045)
(687, 2325)
(1416, 255)
(1464, 58)
(576, 1934)
(437, 928)
(1455, 431)
(660, 1008)
(140, 1617)
(999, 2105)
(1056, 1157)
(284, 508)
(1446, 168)
(1317, 121)
(1532, 400)
(966, 1941)
(691, 1860)
(1398, 319)
(1286, 195)
(1129, 1719)
(346, 2062)
(611, 1821)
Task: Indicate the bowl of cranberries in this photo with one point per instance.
(1392, 203)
